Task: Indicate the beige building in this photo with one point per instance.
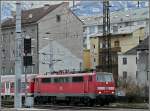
(124, 39)
(57, 23)
(120, 42)
(86, 59)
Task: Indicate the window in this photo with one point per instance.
(94, 60)
(46, 80)
(94, 46)
(140, 22)
(61, 80)
(58, 18)
(7, 85)
(124, 75)
(136, 60)
(136, 74)
(100, 28)
(116, 43)
(77, 79)
(124, 60)
(104, 78)
(56, 80)
(3, 70)
(147, 76)
(12, 33)
(91, 29)
(23, 85)
(121, 19)
(115, 28)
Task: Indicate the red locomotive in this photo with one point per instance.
(87, 88)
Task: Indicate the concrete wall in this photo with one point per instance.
(66, 59)
(86, 59)
(94, 53)
(68, 32)
(142, 67)
(8, 40)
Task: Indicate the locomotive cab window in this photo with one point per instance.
(77, 79)
(46, 80)
(104, 78)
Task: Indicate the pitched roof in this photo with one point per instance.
(121, 31)
(142, 46)
(117, 17)
(36, 14)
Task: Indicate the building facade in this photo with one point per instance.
(134, 64)
(119, 19)
(86, 59)
(57, 23)
(120, 42)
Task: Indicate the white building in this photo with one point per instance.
(127, 65)
(119, 19)
(133, 64)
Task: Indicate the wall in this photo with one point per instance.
(86, 59)
(130, 67)
(68, 32)
(142, 67)
(8, 59)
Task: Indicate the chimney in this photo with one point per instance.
(46, 6)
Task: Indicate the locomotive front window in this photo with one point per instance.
(104, 78)
(7, 85)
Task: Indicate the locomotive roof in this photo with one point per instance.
(63, 75)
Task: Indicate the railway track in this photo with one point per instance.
(63, 107)
(81, 107)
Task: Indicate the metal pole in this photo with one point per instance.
(51, 55)
(149, 55)
(18, 57)
(0, 56)
(25, 86)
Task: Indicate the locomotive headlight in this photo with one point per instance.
(112, 92)
(100, 92)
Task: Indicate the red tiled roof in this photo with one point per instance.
(36, 13)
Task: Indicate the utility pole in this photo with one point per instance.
(73, 3)
(18, 57)
(0, 57)
(149, 55)
(105, 56)
(51, 55)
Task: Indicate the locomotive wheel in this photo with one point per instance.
(102, 103)
(54, 100)
(88, 102)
